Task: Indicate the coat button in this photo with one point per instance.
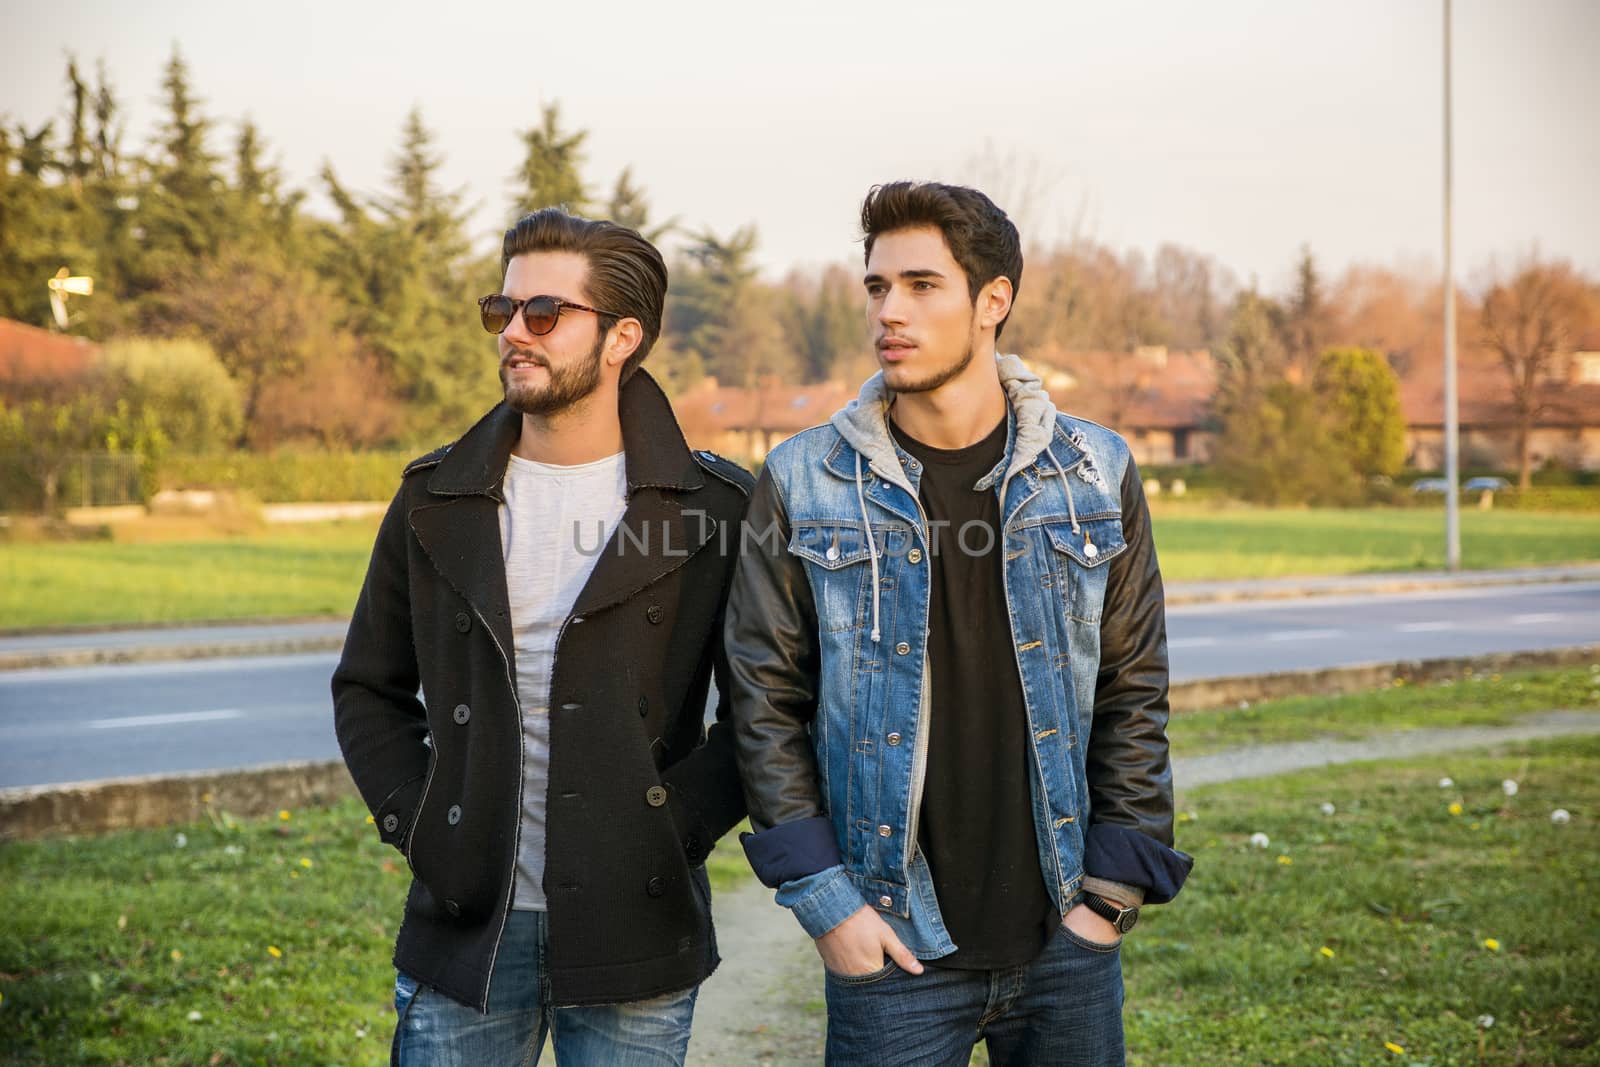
(453, 816)
(644, 707)
(884, 831)
(902, 649)
(655, 796)
(461, 714)
(914, 556)
(463, 622)
(885, 901)
(655, 887)
(391, 823)
(893, 739)
(453, 908)
(654, 614)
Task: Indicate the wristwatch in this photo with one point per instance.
(1122, 918)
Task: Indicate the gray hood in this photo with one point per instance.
(864, 421)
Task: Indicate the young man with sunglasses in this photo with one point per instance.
(521, 698)
(950, 677)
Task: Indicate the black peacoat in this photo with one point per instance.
(639, 789)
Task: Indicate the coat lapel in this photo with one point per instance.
(461, 535)
(655, 537)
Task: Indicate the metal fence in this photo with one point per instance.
(83, 479)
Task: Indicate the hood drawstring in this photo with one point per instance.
(872, 546)
(1089, 549)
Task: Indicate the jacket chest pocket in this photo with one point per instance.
(1081, 562)
(838, 563)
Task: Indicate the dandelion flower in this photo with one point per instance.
(1491, 944)
(1446, 783)
(305, 862)
(283, 816)
(195, 1016)
(205, 798)
(1260, 840)
(1455, 807)
(1509, 787)
(1560, 815)
(1485, 1021)
(1326, 951)
(1284, 861)
(181, 841)
(371, 820)
(176, 954)
(1328, 809)
(1394, 1048)
(1398, 682)
(294, 874)
(275, 952)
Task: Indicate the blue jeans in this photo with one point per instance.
(1064, 1009)
(434, 1031)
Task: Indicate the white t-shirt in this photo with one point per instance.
(554, 524)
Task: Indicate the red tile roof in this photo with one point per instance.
(28, 353)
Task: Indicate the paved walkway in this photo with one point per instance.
(763, 1007)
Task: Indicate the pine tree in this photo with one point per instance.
(551, 170)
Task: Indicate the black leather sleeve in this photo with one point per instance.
(771, 642)
(1129, 772)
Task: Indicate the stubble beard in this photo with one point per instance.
(937, 378)
(567, 385)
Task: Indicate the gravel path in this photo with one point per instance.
(763, 1007)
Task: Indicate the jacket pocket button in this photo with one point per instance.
(884, 831)
(893, 739)
(902, 649)
(886, 901)
(655, 887)
(655, 796)
(914, 556)
(391, 823)
(654, 613)
(453, 908)
(461, 714)
(453, 816)
(463, 622)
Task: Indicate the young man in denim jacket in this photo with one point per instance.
(952, 729)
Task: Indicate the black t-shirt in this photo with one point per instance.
(976, 827)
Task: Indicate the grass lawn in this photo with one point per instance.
(1478, 699)
(1388, 932)
(1243, 542)
(317, 570)
(287, 571)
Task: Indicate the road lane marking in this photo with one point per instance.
(1424, 627)
(166, 720)
(1305, 635)
(1533, 618)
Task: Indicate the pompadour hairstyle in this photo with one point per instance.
(982, 240)
(626, 273)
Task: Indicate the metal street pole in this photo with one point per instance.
(1452, 458)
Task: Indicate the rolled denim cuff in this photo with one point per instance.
(823, 900)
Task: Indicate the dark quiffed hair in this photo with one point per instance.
(626, 273)
(980, 236)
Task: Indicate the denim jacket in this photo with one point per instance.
(827, 633)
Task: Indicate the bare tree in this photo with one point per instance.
(1530, 321)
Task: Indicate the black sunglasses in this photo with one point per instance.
(539, 313)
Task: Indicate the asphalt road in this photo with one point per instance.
(74, 724)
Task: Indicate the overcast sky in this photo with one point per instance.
(1241, 128)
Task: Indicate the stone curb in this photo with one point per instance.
(167, 800)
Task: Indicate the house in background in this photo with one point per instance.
(1566, 429)
(31, 356)
(1157, 398)
(745, 424)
